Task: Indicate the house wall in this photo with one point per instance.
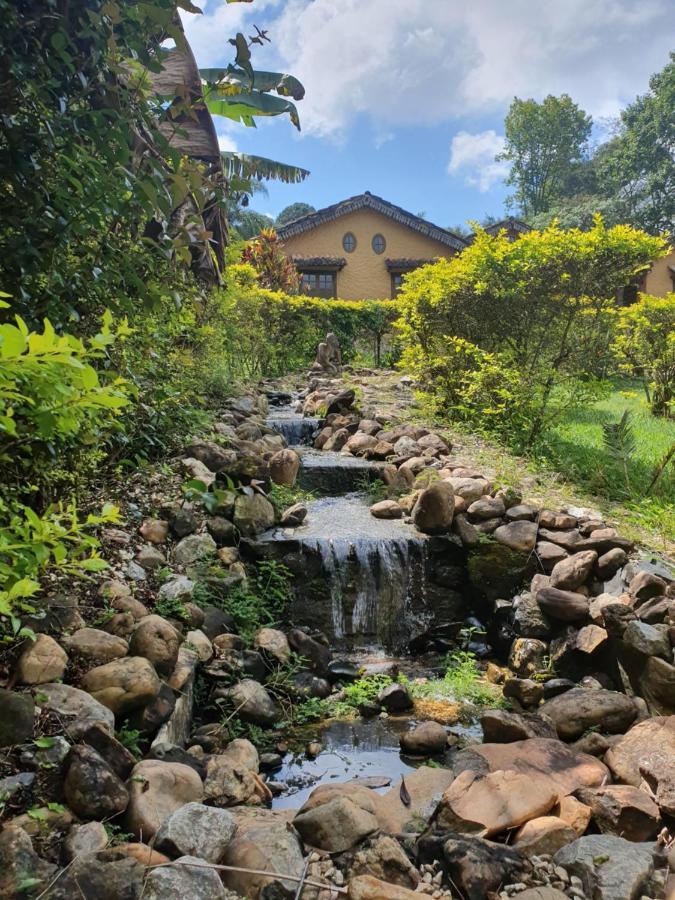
(365, 276)
(659, 279)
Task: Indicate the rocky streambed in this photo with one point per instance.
(464, 695)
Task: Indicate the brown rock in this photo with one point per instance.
(572, 572)
(611, 562)
(425, 786)
(91, 788)
(96, 645)
(564, 606)
(425, 739)
(335, 826)
(156, 789)
(155, 531)
(550, 554)
(434, 509)
(366, 887)
(284, 467)
(575, 813)
(623, 810)
(502, 727)
(494, 803)
(41, 661)
(543, 836)
(386, 509)
(575, 711)
(589, 638)
(560, 521)
(143, 854)
(649, 742)
(123, 685)
(519, 536)
(645, 586)
(158, 641)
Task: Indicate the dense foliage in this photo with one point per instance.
(508, 335)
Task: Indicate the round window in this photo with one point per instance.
(349, 242)
(378, 243)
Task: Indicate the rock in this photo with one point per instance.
(528, 618)
(306, 684)
(114, 753)
(181, 880)
(366, 887)
(486, 508)
(382, 857)
(20, 865)
(648, 639)
(593, 743)
(179, 588)
(395, 698)
(194, 548)
(609, 867)
(253, 703)
(491, 804)
(158, 641)
(611, 562)
(645, 585)
(575, 813)
(335, 826)
(575, 711)
(42, 660)
(217, 622)
(91, 788)
(318, 655)
(143, 854)
(83, 840)
(469, 488)
(555, 686)
(477, 866)
(527, 692)
(521, 512)
(149, 718)
(550, 554)
(229, 783)
(518, 536)
(433, 511)
(557, 520)
(13, 786)
(253, 513)
(623, 810)
(221, 530)
(564, 606)
(567, 771)
(543, 836)
(214, 457)
(650, 743)
(339, 670)
(527, 656)
(149, 558)
(501, 727)
(284, 466)
(263, 841)
(154, 531)
(273, 643)
(590, 638)
(123, 685)
(198, 642)
(572, 572)
(657, 686)
(95, 645)
(157, 789)
(293, 516)
(425, 739)
(183, 518)
(425, 787)
(74, 705)
(17, 717)
(196, 830)
(386, 509)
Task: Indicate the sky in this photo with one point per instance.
(407, 98)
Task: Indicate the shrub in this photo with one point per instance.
(645, 346)
(510, 334)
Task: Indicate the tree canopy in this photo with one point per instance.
(292, 212)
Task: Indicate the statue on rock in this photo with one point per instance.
(328, 357)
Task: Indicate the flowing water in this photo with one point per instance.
(297, 430)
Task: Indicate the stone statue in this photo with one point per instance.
(328, 357)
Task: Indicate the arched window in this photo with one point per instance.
(378, 243)
(349, 243)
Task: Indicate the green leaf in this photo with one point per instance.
(244, 107)
(243, 165)
(44, 743)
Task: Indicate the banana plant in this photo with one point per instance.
(242, 168)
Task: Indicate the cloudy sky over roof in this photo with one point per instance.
(407, 98)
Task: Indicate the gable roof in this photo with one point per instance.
(370, 201)
(510, 224)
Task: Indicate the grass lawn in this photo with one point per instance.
(575, 447)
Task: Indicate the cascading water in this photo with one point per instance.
(297, 430)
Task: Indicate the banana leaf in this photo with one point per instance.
(241, 165)
(226, 81)
(245, 106)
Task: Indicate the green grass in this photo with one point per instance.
(463, 682)
(575, 447)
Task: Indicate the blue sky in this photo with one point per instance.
(406, 98)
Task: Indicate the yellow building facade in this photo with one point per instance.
(660, 280)
(362, 247)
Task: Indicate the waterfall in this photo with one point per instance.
(295, 429)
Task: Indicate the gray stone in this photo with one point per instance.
(575, 711)
(335, 826)
(434, 509)
(94, 644)
(519, 536)
(20, 864)
(529, 619)
(91, 788)
(254, 703)
(17, 715)
(150, 558)
(83, 840)
(486, 508)
(193, 548)
(72, 704)
(196, 830)
(179, 588)
(253, 513)
(395, 698)
(183, 880)
(609, 867)
(648, 639)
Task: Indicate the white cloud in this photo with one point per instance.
(417, 62)
(473, 156)
(227, 142)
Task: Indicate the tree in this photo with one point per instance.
(249, 223)
(292, 212)
(508, 335)
(638, 164)
(544, 141)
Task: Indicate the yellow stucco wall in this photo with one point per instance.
(659, 279)
(365, 277)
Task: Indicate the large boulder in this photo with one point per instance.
(623, 810)
(253, 513)
(95, 645)
(543, 836)
(157, 789)
(158, 641)
(575, 711)
(494, 803)
(647, 751)
(123, 685)
(74, 707)
(335, 826)
(253, 703)
(41, 661)
(91, 788)
(196, 830)
(425, 739)
(434, 508)
(188, 877)
(609, 867)
(425, 787)
(500, 726)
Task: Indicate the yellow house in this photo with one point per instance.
(361, 248)
(660, 280)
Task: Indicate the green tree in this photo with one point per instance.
(292, 212)
(250, 223)
(544, 142)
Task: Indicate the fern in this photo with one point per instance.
(619, 442)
